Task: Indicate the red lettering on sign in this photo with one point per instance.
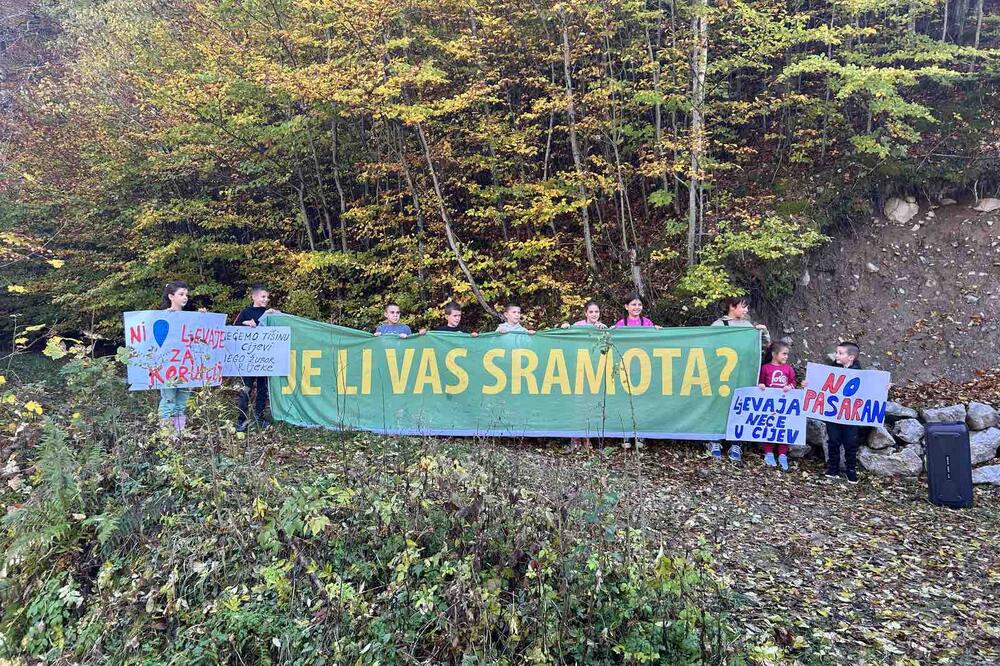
(833, 383)
(846, 411)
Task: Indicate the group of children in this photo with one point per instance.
(511, 319)
(775, 371)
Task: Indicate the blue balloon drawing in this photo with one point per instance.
(160, 328)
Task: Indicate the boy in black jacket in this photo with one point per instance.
(839, 434)
(250, 316)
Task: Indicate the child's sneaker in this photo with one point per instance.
(783, 462)
(716, 450)
(769, 459)
(852, 476)
(735, 453)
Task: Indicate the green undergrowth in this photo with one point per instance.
(120, 545)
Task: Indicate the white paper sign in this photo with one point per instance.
(767, 415)
(174, 349)
(257, 351)
(842, 395)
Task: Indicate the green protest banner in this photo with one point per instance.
(671, 383)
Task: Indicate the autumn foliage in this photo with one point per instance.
(349, 151)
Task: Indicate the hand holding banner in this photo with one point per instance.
(174, 349)
(842, 395)
(767, 415)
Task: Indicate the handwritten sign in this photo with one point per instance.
(174, 349)
(767, 415)
(257, 351)
(842, 395)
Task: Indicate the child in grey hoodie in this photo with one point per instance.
(737, 311)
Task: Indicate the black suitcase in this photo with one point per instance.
(949, 464)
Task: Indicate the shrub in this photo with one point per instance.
(357, 549)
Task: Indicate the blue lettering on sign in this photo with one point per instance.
(831, 403)
(873, 411)
(852, 386)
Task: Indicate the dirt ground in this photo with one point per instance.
(826, 572)
(921, 298)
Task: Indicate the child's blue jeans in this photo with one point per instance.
(173, 401)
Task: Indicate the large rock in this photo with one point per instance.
(799, 451)
(906, 462)
(816, 432)
(987, 474)
(900, 211)
(909, 430)
(948, 414)
(898, 411)
(984, 445)
(987, 205)
(981, 416)
(880, 439)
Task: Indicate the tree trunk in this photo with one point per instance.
(944, 24)
(961, 15)
(303, 211)
(699, 63)
(979, 22)
(574, 144)
(320, 186)
(417, 211)
(336, 181)
(657, 110)
(673, 107)
(449, 232)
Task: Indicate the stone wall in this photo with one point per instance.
(897, 449)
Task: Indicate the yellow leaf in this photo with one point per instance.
(32, 329)
(3, 380)
(32, 406)
(16, 289)
(57, 263)
(20, 341)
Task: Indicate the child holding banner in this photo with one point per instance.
(591, 316)
(633, 308)
(453, 320)
(839, 434)
(776, 373)
(173, 401)
(512, 320)
(250, 316)
(737, 314)
(391, 325)
(737, 311)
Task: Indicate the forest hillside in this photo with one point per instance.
(350, 152)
